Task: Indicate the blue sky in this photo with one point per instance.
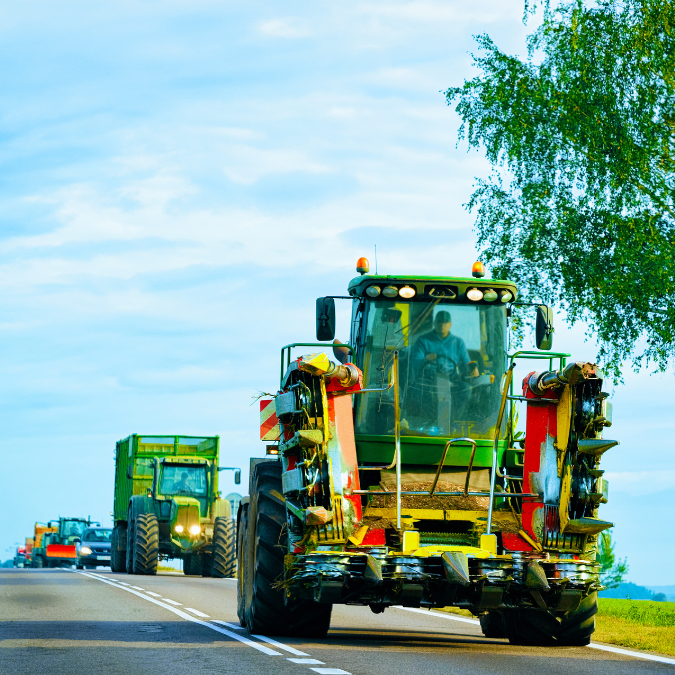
(179, 182)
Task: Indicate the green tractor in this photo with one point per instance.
(57, 542)
(167, 506)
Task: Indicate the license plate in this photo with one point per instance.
(102, 557)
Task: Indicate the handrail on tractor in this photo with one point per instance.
(454, 441)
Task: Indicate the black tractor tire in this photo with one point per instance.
(241, 565)
(80, 567)
(540, 628)
(224, 549)
(146, 544)
(492, 625)
(266, 612)
(192, 564)
(38, 562)
(207, 565)
(118, 558)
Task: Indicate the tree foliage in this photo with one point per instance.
(580, 206)
(612, 571)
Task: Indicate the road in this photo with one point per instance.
(62, 621)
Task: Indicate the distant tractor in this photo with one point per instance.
(55, 544)
(20, 557)
(167, 506)
(398, 474)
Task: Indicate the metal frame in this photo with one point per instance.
(287, 360)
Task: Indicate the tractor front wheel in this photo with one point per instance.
(224, 554)
(241, 565)
(266, 611)
(492, 625)
(192, 564)
(146, 544)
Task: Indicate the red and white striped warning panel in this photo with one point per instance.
(269, 424)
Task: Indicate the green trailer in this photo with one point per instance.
(167, 506)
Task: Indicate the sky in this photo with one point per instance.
(180, 180)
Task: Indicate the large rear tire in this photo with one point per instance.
(241, 565)
(266, 612)
(131, 526)
(542, 629)
(118, 558)
(146, 544)
(224, 550)
(492, 625)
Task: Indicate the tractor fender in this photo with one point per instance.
(221, 509)
(140, 504)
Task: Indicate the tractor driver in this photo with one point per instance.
(183, 485)
(439, 354)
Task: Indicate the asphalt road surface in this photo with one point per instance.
(63, 621)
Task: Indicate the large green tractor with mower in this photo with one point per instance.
(409, 469)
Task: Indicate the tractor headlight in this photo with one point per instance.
(373, 291)
(85, 550)
(195, 529)
(390, 292)
(506, 296)
(179, 528)
(474, 294)
(490, 295)
(407, 292)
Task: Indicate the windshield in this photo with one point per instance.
(451, 360)
(97, 535)
(182, 479)
(73, 529)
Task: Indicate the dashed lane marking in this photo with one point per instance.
(330, 671)
(188, 617)
(198, 613)
(171, 602)
(154, 595)
(138, 588)
(307, 662)
(264, 638)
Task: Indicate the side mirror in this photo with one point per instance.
(544, 328)
(325, 319)
(77, 540)
(237, 477)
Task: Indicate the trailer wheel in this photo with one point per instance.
(131, 526)
(118, 562)
(146, 544)
(192, 564)
(541, 628)
(241, 565)
(266, 611)
(492, 625)
(224, 553)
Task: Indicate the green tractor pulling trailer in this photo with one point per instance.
(399, 475)
(167, 505)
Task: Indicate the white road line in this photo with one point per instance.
(188, 617)
(451, 617)
(593, 645)
(264, 638)
(154, 595)
(198, 613)
(330, 671)
(124, 583)
(171, 602)
(626, 652)
(138, 588)
(307, 662)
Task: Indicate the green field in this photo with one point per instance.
(639, 624)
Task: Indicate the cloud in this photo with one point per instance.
(284, 28)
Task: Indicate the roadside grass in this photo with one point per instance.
(636, 624)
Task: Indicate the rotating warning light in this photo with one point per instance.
(474, 294)
(478, 270)
(362, 265)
